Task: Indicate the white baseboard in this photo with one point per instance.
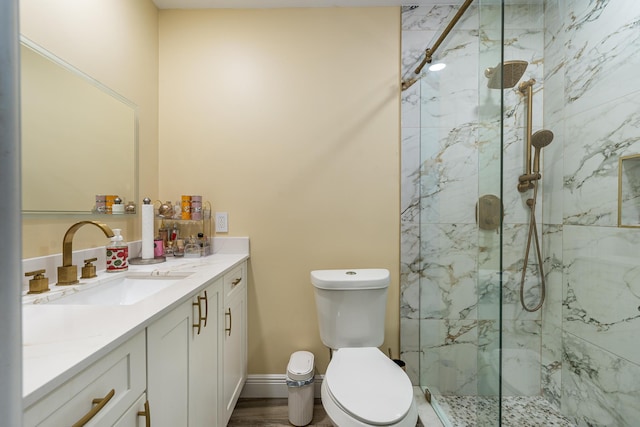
(272, 386)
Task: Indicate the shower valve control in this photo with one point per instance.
(489, 212)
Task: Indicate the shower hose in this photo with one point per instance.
(533, 230)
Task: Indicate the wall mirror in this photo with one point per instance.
(79, 138)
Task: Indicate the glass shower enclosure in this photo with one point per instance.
(472, 151)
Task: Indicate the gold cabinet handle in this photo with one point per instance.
(100, 403)
(146, 413)
(200, 316)
(236, 281)
(206, 307)
(198, 325)
(228, 330)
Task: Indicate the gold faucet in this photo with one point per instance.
(68, 273)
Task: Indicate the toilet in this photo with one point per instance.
(362, 386)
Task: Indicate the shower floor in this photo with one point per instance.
(517, 411)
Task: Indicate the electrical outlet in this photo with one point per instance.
(222, 222)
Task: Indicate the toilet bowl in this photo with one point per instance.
(363, 387)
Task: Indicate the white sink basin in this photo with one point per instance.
(123, 290)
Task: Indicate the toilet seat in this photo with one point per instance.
(369, 386)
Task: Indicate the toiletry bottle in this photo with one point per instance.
(117, 253)
(174, 232)
(158, 247)
(204, 244)
(163, 231)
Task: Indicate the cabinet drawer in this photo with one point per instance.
(123, 371)
(234, 280)
(137, 415)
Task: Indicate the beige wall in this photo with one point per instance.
(289, 120)
(115, 42)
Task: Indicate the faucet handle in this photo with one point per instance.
(36, 273)
(39, 283)
(89, 270)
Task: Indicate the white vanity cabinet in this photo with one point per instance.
(185, 369)
(183, 362)
(99, 395)
(234, 372)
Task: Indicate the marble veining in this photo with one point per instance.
(580, 352)
(599, 388)
(599, 55)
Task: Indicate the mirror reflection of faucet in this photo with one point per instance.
(67, 272)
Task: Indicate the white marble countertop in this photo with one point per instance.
(59, 341)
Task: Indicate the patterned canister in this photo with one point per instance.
(196, 208)
(186, 207)
(101, 203)
(110, 200)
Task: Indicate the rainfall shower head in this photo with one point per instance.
(539, 140)
(505, 76)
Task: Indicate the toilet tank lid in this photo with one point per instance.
(366, 278)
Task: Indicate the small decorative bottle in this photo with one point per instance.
(117, 253)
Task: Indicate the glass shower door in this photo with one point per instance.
(461, 221)
(490, 212)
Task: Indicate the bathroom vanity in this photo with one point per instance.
(177, 356)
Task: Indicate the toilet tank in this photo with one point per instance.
(351, 306)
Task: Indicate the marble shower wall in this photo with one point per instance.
(451, 156)
(589, 328)
(591, 325)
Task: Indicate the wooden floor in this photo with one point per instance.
(271, 413)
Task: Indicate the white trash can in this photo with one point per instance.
(300, 376)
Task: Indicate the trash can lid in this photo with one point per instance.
(300, 365)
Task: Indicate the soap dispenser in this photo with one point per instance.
(117, 253)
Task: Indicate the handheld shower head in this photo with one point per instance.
(505, 76)
(539, 140)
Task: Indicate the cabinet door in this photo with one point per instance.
(204, 358)
(235, 343)
(168, 367)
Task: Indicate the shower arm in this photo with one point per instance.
(428, 53)
(525, 181)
